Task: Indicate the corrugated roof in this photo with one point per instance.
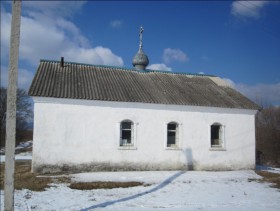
(106, 83)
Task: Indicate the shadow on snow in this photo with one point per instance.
(160, 186)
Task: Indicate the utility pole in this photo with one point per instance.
(11, 107)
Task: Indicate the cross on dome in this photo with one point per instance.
(140, 60)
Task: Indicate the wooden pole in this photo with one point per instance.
(11, 107)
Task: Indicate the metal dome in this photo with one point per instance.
(140, 60)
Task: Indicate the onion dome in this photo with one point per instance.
(140, 60)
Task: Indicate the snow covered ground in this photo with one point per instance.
(268, 168)
(20, 156)
(170, 190)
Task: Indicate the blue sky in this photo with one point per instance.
(238, 41)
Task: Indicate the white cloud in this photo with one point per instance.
(98, 55)
(159, 67)
(230, 82)
(74, 32)
(260, 93)
(201, 73)
(46, 33)
(47, 37)
(174, 55)
(116, 23)
(247, 9)
(5, 34)
(55, 8)
(24, 77)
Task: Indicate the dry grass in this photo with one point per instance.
(24, 179)
(103, 185)
(270, 177)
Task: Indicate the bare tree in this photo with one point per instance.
(268, 136)
(24, 111)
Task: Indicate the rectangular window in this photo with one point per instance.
(126, 138)
(217, 136)
(172, 134)
(171, 139)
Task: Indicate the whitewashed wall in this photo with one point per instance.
(84, 135)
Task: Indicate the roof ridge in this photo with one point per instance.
(94, 65)
(180, 73)
(132, 69)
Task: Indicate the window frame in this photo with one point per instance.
(221, 137)
(178, 130)
(131, 145)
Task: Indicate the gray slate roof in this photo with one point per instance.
(95, 82)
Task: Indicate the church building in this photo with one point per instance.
(103, 118)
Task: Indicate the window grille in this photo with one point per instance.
(172, 134)
(126, 133)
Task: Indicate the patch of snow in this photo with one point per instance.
(24, 145)
(274, 170)
(170, 190)
(21, 145)
(268, 168)
(21, 156)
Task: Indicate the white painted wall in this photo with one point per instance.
(76, 133)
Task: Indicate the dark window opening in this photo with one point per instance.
(172, 134)
(126, 136)
(126, 133)
(216, 136)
